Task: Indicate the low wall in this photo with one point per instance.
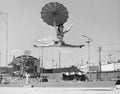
(105, 76)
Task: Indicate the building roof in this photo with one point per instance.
(22, 58)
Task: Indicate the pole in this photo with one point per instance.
(99, 73)
(39, 69)
(100, 58)
(6, 22)
(114, 61)
(88, 42)
(6, 40)
(88, 55)
(89, 62)
(42, 60)
(59, 59)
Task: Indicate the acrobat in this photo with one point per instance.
(60, 35)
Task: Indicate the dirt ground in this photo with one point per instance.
(20, 82)
(18, 86)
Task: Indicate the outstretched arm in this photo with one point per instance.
(73, 46)
(68, 29)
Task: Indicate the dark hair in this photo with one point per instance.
(60, 25)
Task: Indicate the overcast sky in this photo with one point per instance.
(97, 19)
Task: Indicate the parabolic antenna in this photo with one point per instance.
(54, 14)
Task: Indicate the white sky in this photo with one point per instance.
(97, 19)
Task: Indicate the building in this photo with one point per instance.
(25, 63)
(59, 70)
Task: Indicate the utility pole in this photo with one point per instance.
(99, 73)
(88, 42)
(59, 59)
(5, 18)
(100, 49)
(42, 60)
(89, 61)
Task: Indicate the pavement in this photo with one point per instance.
(39, 90)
